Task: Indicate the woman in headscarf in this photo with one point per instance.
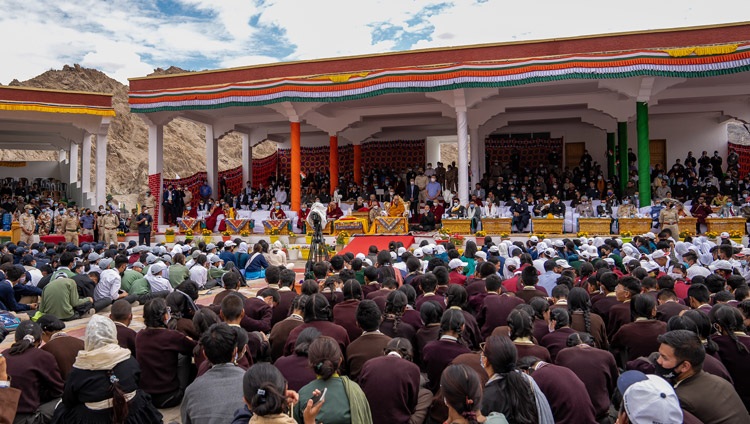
(103, 384)
(242, 255)
(277, 257)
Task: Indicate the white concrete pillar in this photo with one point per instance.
(463, 155)
(156, 166)
(101, 169)
(247, 159)
(62, 156)
(73, 163)
(474, 140)
(212, 162)
(86, 164)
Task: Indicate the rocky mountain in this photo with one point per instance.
(127, 160)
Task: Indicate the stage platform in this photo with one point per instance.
(361, 244)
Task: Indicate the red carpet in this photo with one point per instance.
(361, 244)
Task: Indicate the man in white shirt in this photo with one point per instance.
(281, 195)
(155, 279)
(199, 270)
(107, 290)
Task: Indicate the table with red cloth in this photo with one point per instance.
(59, 238)
(350, 224)
(389, 225)
(281, 225)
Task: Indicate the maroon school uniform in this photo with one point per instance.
(556, 341)
(280, 333)
(412, 317)
(369, 288)
(456, 278)
(257, 315)
(296, 370)
(597, 328)
(282, 310)
(541, 329)
(440, 300)
(326, 328)
(602, 306)
(157, 351)
(437, 356)
(495, 310)
(65, 349)
(563, 390)
(530, 292)
(391, 385)
(378, 293)
(668, 310)
(36, 374)
(618, 315)
(476, 287)
(471, 334)
(367, 346)
(737, 363)
(639, 338)
(597, 370)
(345, 315)
(425, 335)
(529, 349)
(125, 337)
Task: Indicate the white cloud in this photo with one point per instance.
(128, 38)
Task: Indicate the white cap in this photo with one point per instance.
(563, 263)
(534, 239)
(427, 250)
(481, 254)
(157, 268)
(229, 243)
(658, 254)
(105, 263)
(455, 263)
(648, 399)
(360, 256)
(393, 255)
(649, 265)
(541, 246)
(722, 264)
(513, 262)
(724, 235)
(550, 252)
(609, 261)
(210, 246)
(401, 251)
(494, 249)
(367, 261)
(215, 259)
(650, 235)
(558, 243)
(418, 253)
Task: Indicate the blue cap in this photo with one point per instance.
(629, 378)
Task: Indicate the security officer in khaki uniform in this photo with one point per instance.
(149, 201)
(668, 218)
(28, 225)
(70, 225)
(421, 181)
(109, 227)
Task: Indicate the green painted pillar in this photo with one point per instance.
(644, 155)
(611, 154)
(622, 153)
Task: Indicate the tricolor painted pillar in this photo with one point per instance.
(474, 140)
(73, 163)
(212, 162)
(155, 167)
(333, 162)
(101, 169)
(358, 163)
(463, 153)
(247, 159)
(611, 155)
(622, 154)
(644, 154)
(296, 166)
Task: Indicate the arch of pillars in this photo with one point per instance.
(464, 100)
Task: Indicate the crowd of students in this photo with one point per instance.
(570, 331)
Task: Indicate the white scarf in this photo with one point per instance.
(101, 358)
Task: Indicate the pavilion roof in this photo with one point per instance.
(55, 101)
(683, 53)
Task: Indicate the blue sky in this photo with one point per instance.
(129, 38)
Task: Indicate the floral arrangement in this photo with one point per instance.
(504, 235)
(274, 232)
(188, 232)
(457, 239)
(121, 234)
(735, 234)
(226, 233)
(481, 233)
(550, 216)
(712, 234)
(626, 234)
(169, 231)
(442, 236)
(295, 247)
(539, 236)
(444, 231)
(685, 234)
(206, 232)
(342, 237)
(582, 234)
(245, 233)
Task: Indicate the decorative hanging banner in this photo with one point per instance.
(744, 153)
(530, 152)
(264, 168)
(10, 164)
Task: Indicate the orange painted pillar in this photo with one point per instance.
(333, 159)
(296, 167)
(358, 163)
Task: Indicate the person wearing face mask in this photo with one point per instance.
(28, 225)
(520, 212)
(110, 222)
(680, 361)
(433, 189)
(277, 212)
(584, 209)
(627, 209)
(44, 220)
(70, 225)
(729, 210)
(457, 210)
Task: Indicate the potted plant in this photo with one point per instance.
(626, 236)
(121, 236)
(582, 234)
(206, 235)
(169, 235)
(342, 238)
(293, 251)
(712, 234)
(735, 236)
(504, 236)
(244, 233)
(685, 234)
(274, 235)
(226, 235)
(457, 240)
(304, 251)
(480, 235)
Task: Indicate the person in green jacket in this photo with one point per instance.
(60, 298)
(134, 273)
(217, 269)
(178, 272)
(140, 287)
